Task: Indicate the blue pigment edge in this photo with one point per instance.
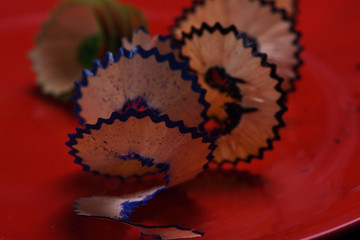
(250, 43)
(142, 203)
(152, 227)
(170, 58)
(139, 115)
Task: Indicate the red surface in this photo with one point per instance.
(308, 186)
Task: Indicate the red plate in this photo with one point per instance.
(308, 187)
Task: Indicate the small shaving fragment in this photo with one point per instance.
(290, 6)
(142, 38)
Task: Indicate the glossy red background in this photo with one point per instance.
(308, 186)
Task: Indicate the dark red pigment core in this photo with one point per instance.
(217, 78)
(138, 104)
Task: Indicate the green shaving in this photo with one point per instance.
(89, 50)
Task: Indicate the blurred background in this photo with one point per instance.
(307, 187)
